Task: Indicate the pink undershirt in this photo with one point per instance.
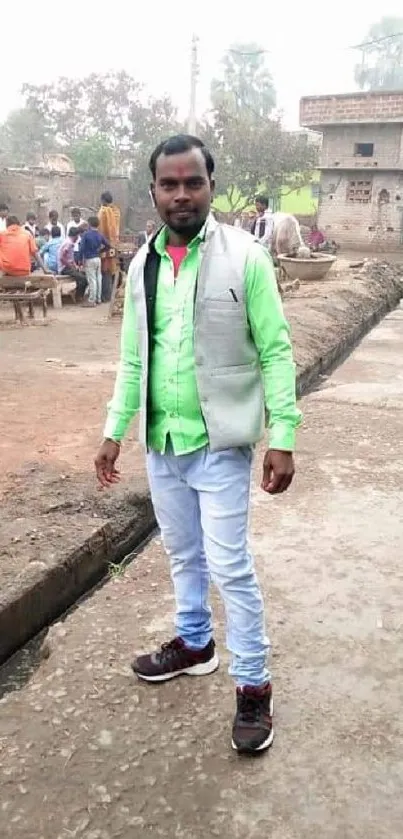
(177, 254)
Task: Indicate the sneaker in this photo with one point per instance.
(175, 659)
(252, 730)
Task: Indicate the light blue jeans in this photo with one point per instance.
(201, 502)
(94, 279)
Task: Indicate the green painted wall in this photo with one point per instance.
(301, 202)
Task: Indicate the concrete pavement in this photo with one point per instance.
(86, 751)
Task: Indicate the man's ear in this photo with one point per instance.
(212, 186)
(151, 193)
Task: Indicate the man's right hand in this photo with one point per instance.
(105, 461)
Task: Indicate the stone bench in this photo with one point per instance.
(58, 285)
(17, 298)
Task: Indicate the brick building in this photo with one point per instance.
(361, 163)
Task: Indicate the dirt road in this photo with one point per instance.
(86, 751)
(56, 378)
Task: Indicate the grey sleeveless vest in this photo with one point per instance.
(228, 373)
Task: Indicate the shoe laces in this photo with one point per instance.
(250, 704)
(172, 649)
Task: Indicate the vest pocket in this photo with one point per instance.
(225, 314)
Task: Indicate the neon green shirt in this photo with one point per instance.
(174, 402)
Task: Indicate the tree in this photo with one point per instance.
(24, 138)
(93, 156)
(252, 151)
(157, 122)
(246, 83)
(255, 155)
(382, 56)
(112, 105)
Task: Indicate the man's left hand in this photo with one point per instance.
(278, 471)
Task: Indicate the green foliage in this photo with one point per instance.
(24, 138)
(110, 105)
(252, 151)
(246, 83)
(381, 67)
(93, 156)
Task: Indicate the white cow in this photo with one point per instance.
(286, 238)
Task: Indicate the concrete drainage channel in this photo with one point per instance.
(43, 594)
(17, 668)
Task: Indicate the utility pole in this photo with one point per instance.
(194, 72)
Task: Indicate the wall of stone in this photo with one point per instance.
(376, 225)
(42, 191)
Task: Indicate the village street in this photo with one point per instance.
(87, 751)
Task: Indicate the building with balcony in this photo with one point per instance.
(361, 164)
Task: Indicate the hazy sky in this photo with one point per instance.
(308, 44)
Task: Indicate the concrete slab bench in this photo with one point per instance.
(57, 284)
(19, 297)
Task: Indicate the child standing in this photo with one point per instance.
(91, 245)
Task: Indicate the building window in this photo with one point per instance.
(364, 150)
(384, 197)
(359, 192)
(315, 190)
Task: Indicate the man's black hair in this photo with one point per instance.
(55, 232)
(262, 199)
(179, 144)
(74, 231)
(106, 198)
(53, 213)
(12, 220)
(4, 208)
(31, 214)
(93, 221)
(76, 210)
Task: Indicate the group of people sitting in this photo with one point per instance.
(82, 252)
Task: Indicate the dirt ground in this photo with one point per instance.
(87, 751)
(56, 379)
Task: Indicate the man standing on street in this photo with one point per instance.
(206, 356)
(263, 224)
(76, 221)
(109, 227)
(54, 222)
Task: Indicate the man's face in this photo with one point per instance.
(53, 218)
(260, 208)
(32, 220)
(3, 213)
(76, 216)
(182, 191)
(150, 228)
